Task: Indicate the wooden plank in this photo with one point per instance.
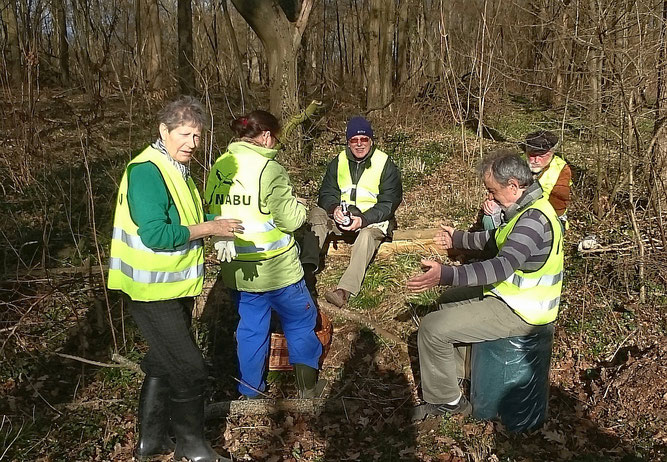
(404, 241)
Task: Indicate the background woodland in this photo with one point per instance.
(443, 82)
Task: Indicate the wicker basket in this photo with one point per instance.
(278, 354)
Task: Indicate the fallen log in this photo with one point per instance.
(268, 406)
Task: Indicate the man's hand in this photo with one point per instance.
(444, 237)
(338, 215)
(428, 280)
(490, 207)
(354, 225)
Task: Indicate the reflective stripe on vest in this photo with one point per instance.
(151, 277)
(368, 186)
(535, 296)
(235, 193)
(136, 243)
(145, 274)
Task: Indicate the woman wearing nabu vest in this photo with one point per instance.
(263, 266)
(157, 260)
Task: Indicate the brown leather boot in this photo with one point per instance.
(338, 297)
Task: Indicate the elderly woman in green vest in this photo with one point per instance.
(263, 266)
(157, 260)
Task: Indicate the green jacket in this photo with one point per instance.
(275, 194)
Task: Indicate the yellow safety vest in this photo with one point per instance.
(235, 181)
(535, 296)
(550, 176)
(368, 186)
(151, 275)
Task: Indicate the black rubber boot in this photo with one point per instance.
(306, 381)
(154, 419)
(187, 416)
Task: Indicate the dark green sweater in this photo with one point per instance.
(153, 210)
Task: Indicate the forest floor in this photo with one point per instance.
(608, 382)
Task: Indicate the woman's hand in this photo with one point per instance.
(221, 227)
(226, 227)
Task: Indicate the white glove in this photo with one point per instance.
(225, 248)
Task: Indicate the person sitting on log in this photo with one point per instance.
(359, 194)
(504, 296)
(549, 169)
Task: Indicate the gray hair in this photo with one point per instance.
(186, 110)
(505, 165)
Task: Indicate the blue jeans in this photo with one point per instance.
(298, 315)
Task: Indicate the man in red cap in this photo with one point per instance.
(359, 194)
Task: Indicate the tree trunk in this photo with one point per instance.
(380, 59)
(402, 44)
(374, 91)
(659, 151)
(154, 46)
(387, 52)
(186, 74)
(281, 40)
(341, 57)
(243, 84)
(84, 46)
(12, 52)
(562, 60)
(432, 22)
(149, 43)
(63, 46)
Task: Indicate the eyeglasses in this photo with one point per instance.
(359, 140)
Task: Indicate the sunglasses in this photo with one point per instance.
(359, 140)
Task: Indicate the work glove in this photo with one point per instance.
(225, 249)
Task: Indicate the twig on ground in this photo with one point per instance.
(121, 361)
(88, 361)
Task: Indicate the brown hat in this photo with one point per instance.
(542, 141)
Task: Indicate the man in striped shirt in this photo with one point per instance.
(504, 296)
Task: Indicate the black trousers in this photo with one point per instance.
(172, 352)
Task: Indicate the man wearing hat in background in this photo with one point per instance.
(370, 183)
(549, 169)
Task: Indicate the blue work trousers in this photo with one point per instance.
(298, 316)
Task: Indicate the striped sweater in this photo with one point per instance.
(527, 247)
